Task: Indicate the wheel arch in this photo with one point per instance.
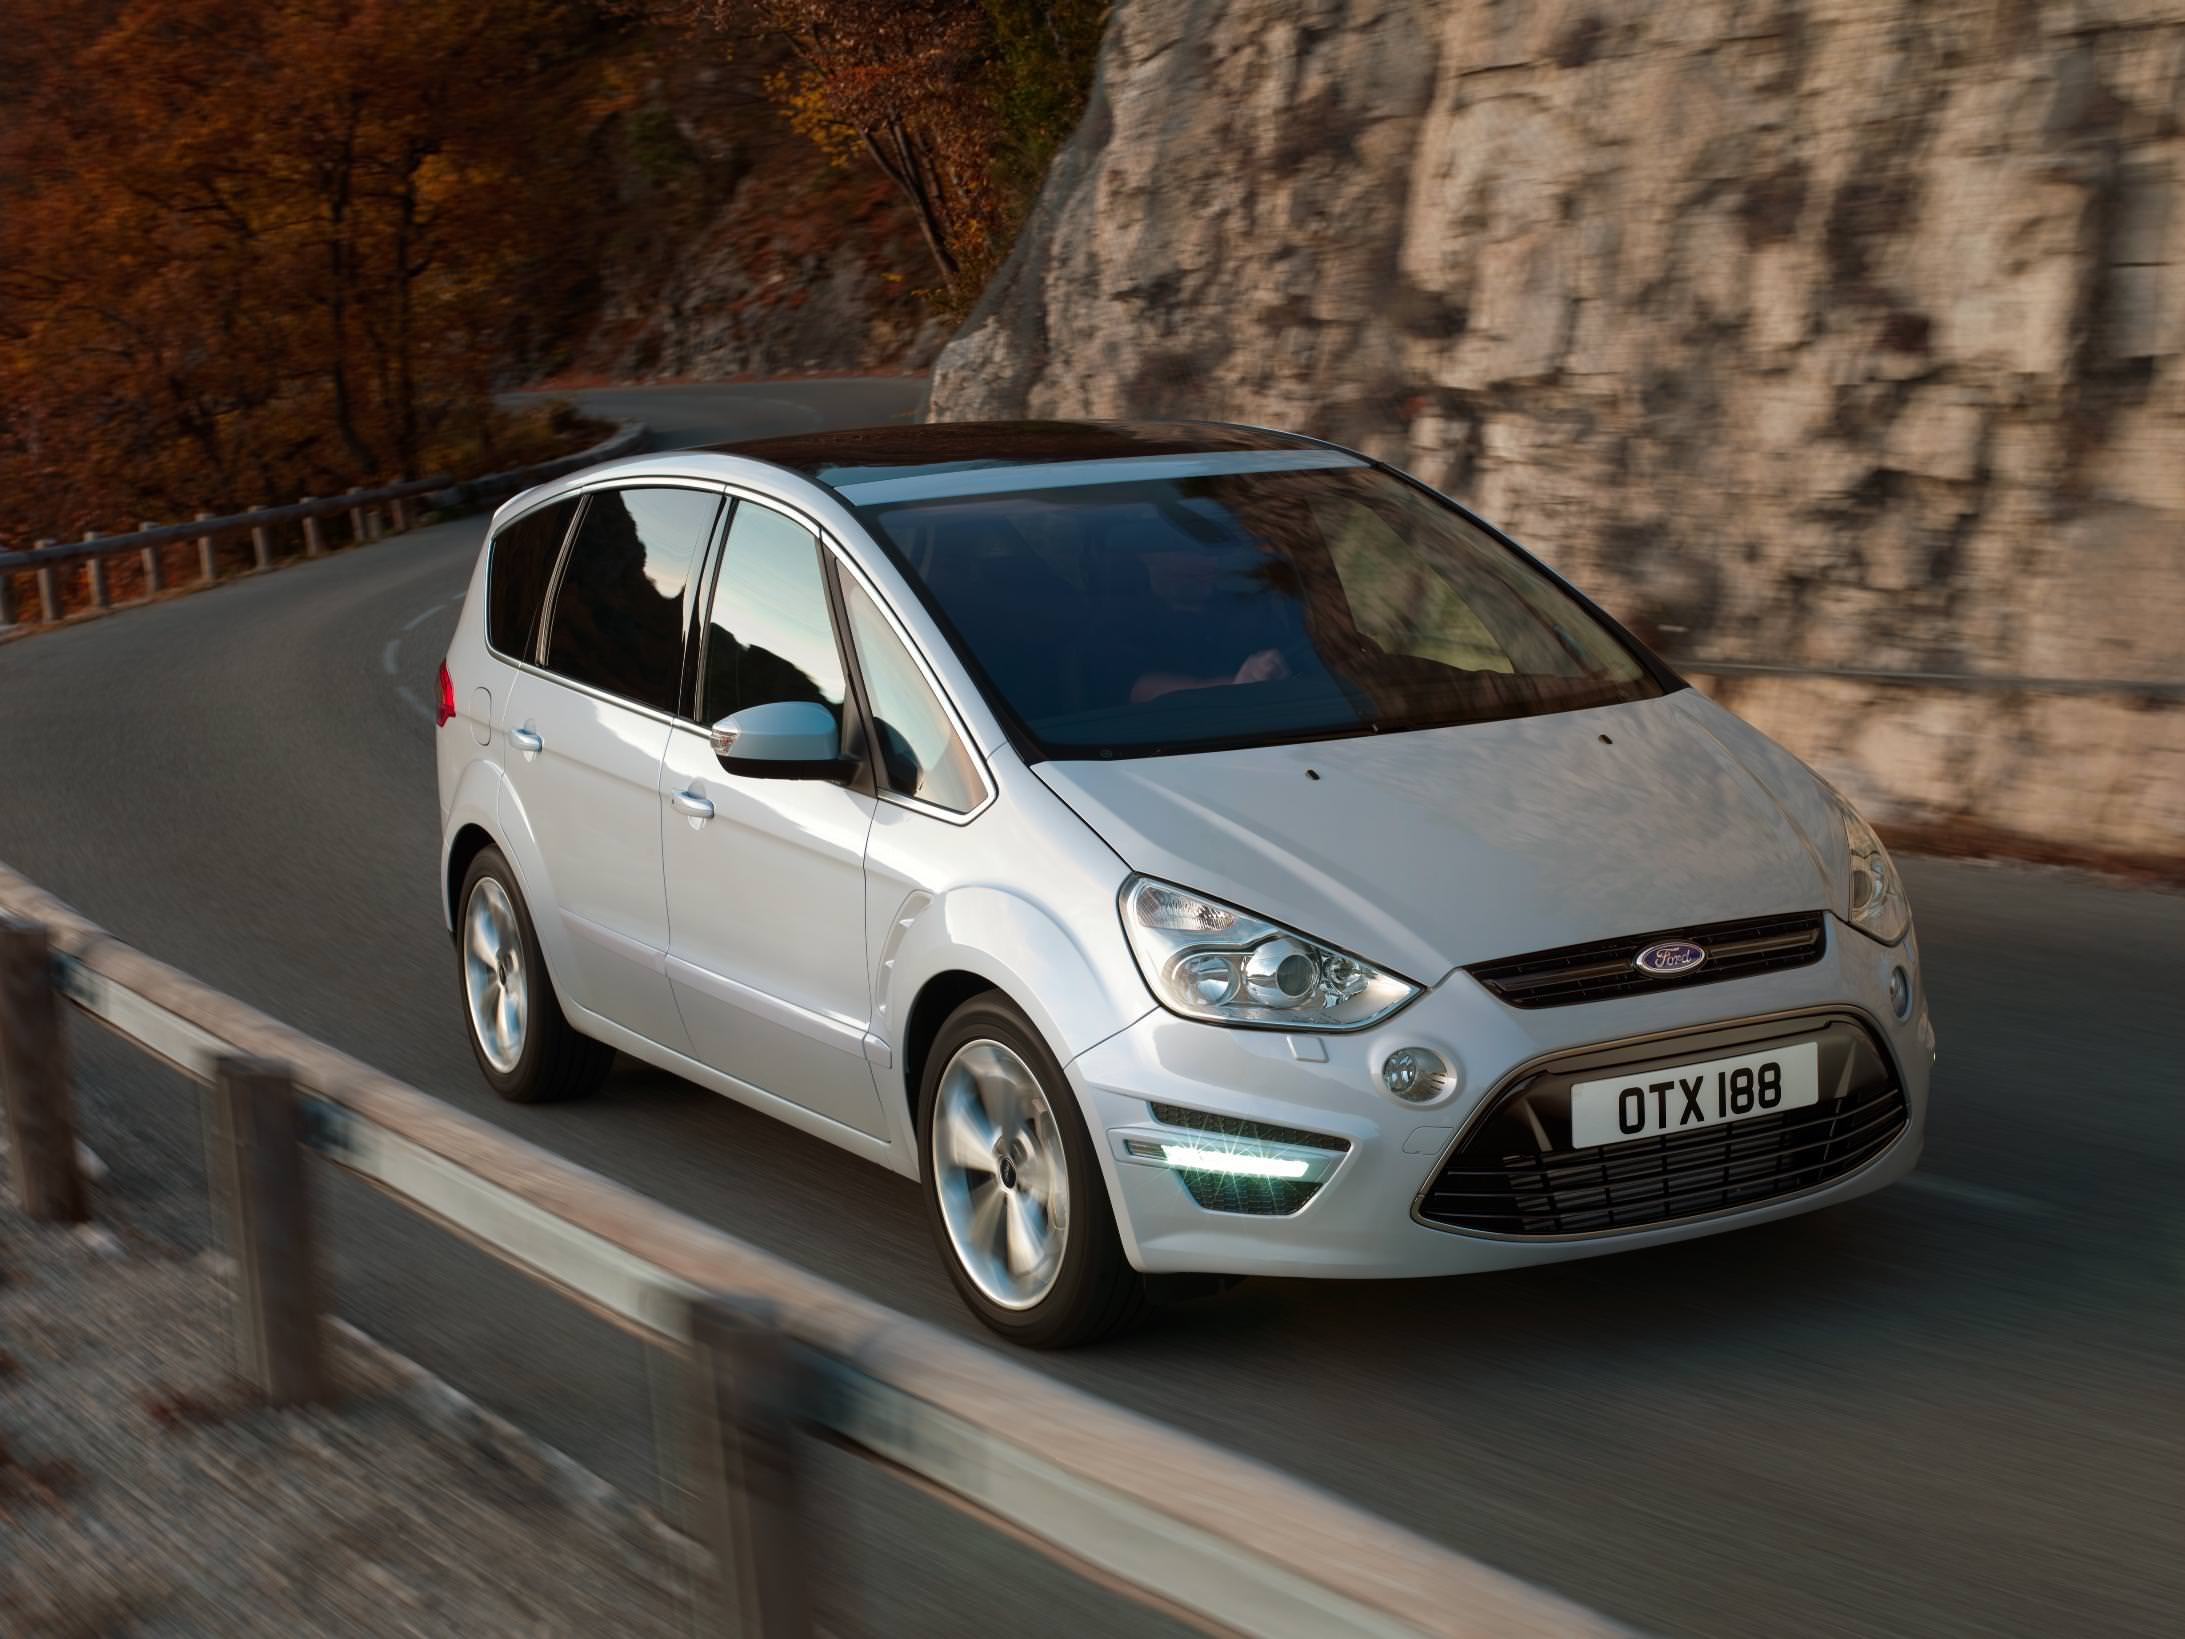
(486, 814)
(470, 840)
(937, 999)
(952, 947)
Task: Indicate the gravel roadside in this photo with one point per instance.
(142, 1492)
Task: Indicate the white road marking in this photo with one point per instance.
(1995, 1200)
(390, 658)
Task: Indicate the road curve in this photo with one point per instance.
(1953, 1407)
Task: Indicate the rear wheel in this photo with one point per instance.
(1013, 1185)
(528, 1050)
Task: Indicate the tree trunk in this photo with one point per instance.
(336, 186)
(895, 151)
(406, 439)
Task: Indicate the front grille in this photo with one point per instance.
(1514, 1173)
(1603, 968)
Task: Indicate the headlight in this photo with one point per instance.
(1875, 902)
(1211, 961)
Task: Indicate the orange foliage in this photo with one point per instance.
(258, 248)
(899, 82)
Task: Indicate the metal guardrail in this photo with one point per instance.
(370, 514)
(2150, 688)
(1225, 1543)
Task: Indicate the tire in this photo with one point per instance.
(549, 1060)
(1086, 1288)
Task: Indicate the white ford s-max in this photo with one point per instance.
(1183, 849)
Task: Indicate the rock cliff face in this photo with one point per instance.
(1826, 334)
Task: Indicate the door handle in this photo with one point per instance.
(689, 802)
(526, 739)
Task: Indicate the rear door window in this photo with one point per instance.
(518, 566)
(622, 607)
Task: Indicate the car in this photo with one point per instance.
(1189, 851)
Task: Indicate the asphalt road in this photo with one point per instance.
(1954, 1407)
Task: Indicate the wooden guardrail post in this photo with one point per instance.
(312, 545)
(34, 1078)
(150, 557)
(94, 574)
(398, 512)
(49, 589)
(261, 546)
(258, 1177)
(746, 1393)
(7, 599)
(208, 562)
(356, 516)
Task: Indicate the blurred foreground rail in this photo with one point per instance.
(768, 1352)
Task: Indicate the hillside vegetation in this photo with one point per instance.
(261, 248)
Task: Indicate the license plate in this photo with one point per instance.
(1680, 1097)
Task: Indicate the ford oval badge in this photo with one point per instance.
(1670, 956)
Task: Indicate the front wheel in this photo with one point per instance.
(1014, 1187)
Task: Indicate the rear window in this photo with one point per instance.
(518, 565)
(620, 614)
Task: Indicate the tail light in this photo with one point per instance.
(445, 708)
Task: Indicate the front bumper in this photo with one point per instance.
(1361, 1221)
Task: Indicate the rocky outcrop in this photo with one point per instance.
(1828, 334)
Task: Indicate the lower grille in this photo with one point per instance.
(1509, 1177)
(1265, 1197)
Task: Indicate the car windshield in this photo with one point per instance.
(1196, 612)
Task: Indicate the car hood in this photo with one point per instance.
(1430, 850)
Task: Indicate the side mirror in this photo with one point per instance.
(782, 740)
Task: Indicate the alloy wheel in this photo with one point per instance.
(1000, 1174)
(494, 980)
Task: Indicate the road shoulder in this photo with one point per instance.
(141, 1485)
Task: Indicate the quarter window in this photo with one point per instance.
(770, 635)
(921, 754)
(620, 614)
(518, 565)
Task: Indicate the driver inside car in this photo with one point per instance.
(1196, 610)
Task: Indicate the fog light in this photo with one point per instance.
(1900, 992)
(1414, 1074)
(1197, 1158)
(1283, 1154)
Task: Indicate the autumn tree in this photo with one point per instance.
(959, 103)
(255, 247)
